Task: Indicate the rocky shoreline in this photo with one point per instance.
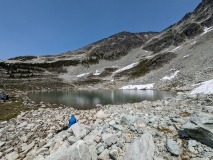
(171, 129)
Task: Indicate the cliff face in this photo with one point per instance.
(191, 25)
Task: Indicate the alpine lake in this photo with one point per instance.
(87, 99)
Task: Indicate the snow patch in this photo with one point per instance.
(127, 67)
(176, 49)
(145, 86)
(193, 42)
(149, 57)
(186, 56)
(81, 75)
(206, 30)
(96, 73)
(205, 87)
(170, 77)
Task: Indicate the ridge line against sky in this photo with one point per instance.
(47, 27)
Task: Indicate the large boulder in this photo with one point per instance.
(131, 120)
(200, 127)
(141, 149)
(12, 156)
(78, 151)
(109, 138)
(79, 130)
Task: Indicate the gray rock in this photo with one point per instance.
(208, 109)
(208, 154)
(157, 104)
(114, 154)
(72, 140)
(139, 130)
(192, 143)
(49, 144)
(78, 151)
(79, 130)
(192, 96)
(127, 120)
(104, 155)
(9, 150)
(141, 148)
(120, 144)
(109, 139)
(173, 147)
(100, 149)
(182, 133)
(26, 148)
(199, 159)
(39, 157)
(61, 153)
(200, 127)
(2, 143)
(118, 127)
(4, 122)
(93, 152)
(24, 124)
(192, 149)
(112, 122)
(158, 108)
(132, 128)
(12, 156)
(153, 119)
(91, 137)
(201, 96)
(1, 154)
(178, 120)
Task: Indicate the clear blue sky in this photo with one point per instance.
(43, 27)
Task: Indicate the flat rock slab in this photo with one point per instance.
(141, 149)
(200, 127)
(78, 151)
(12, 156)
(79, 130)
(173, 147)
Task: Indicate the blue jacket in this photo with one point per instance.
(2, 96)
(72, 121)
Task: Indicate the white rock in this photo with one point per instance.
(12, 156)
(141, 148)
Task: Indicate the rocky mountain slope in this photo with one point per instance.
(172, 128)
(181, 52)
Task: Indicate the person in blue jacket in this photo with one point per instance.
(3, 97)
(72, 120)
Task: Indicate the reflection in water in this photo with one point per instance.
(89, 99)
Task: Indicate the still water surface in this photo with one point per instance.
(85, 99)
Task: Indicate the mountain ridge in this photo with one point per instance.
(153, 54)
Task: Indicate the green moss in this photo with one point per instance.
(9, 110)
